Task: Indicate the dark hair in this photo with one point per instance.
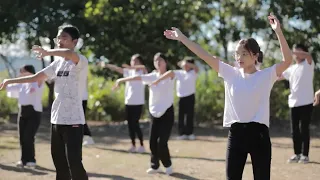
(138, 56)
(300, 46)
(252, 46)
(189, 60)
(71, 30)
(29, 68)
(160, 55)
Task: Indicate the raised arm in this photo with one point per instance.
(304, 55)
(112, 67)
(168, 74)
(65, 53)
(40, 76)
(285, 50)
(176, 34)
(137, 67)
(121, 80)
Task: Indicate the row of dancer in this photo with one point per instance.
(135, 97)
(248, 133)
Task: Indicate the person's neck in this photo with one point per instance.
(299, 61)
(250, 70)
(162, 71)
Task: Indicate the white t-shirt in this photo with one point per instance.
(300, 77)
(186, 82)
(69, 84)
(24, 96)
(160, 96)
(247, 95)
(134, 90)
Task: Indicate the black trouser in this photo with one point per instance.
(186, 111)
(29, 121)
(66, 151)
(159, 135)
(252, 138)
(301, 134)
(86, 130)
(133, 113)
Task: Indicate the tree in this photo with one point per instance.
(120, 28)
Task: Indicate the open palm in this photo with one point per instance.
(274, 22)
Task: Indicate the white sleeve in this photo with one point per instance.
(178, 74)
(273, 74)
(13, 90)
(50, 70)
(125, 72)
(226, 71)
(287, 73)
(148, 78)
(83, 62)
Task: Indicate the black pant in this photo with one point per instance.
(252, 138)
(66, 151)
(186, 111)
(159, 135)
(29, 121)
(86, 130)
(301, 134)
(133, 113)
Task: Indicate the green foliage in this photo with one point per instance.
(122, 28)
(103, 103)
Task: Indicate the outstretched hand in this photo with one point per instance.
(274, 22)
(116, 85)
(154, 83)
(174, 34)
(3, 84)
(40, 52)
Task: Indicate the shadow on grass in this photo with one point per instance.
(22, 170)
(174, 157)
(113, 177)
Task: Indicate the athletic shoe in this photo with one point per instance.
(294, 159)
(31, 164)
(20, 164)
(153, 171)
(141, 149)
(169, 170)
(191, 137)
(132, 149)
(182, 137)
(304, 159)
(88, 141)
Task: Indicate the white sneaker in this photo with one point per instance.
(141, 149)
(153, 171)
(294, 159)
(132, 149)
(182, 137)
(31, 164)
(191, 137)
(20, 164)
(304, 159)
(88, 141)
(169, 170)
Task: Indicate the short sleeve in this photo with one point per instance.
(148, 78)
(287, 73)
(178, 74)
(83, 62)
(226, 71)
(272, 74)
(50, 71)
(125, 72)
